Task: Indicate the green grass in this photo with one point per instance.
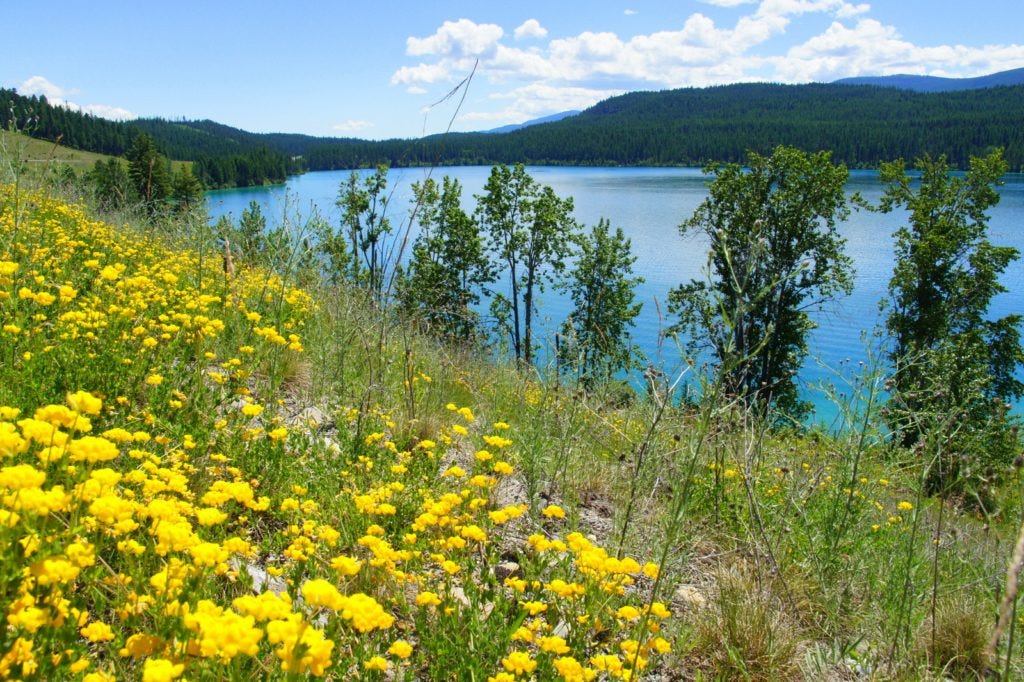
(780, 554)
(40, 153)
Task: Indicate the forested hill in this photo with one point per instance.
(221, 156)
(862, 125)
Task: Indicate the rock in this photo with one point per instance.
(689, 596)
(507, 569)
(509, 491)
(311, 417)
(261, 580)
(459, 595)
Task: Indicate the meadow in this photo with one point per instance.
(214, 470)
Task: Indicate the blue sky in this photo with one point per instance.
(374, 69)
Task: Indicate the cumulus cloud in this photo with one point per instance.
(422, 73)
(38, 85)
(629, 12)
(576, 71)
(105, 111)
(848, 11)
(457, 38)
(352, 126)
(58, 96)
(530, 28)
(872, 48)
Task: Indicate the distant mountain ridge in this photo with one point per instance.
(937, 83)
(534, 121)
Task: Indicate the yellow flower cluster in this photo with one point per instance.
(150, 535)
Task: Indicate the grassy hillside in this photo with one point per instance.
(215, 471)
(42, 152)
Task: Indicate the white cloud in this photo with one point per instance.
(872, 48)
(576, 71)
(106, 111)
(530, 28)
(416, 90)
(352, 126)
(457, 38)
(848, 11)
(38, 85)
(630, 12)
(56, 95)
(421, 73)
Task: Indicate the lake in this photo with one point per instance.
(649, 204)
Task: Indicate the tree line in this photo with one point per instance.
(146, 180)
(221, 160)
(519, 241)
(864, 126)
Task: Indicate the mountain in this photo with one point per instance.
(221, 156)
(862, 125)
(937, 84)
(543, 119)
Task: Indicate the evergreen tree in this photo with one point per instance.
(596, 335)
(449, 266)
(530, 231)
(252, 232)
(775, 256)
(953, 366)
(150, 172)
(186, 190)
(111, 184)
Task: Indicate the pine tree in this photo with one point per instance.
(112, 185)
(252, 232)
(186, 190)
(150, 173)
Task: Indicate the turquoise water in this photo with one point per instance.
(649, 204)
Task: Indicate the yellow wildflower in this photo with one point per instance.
(97, 631)
(401, 649)
(161, 670)
(427, 599)
(519, 663)
(553, 511)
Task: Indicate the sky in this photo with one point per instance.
(390, 68)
